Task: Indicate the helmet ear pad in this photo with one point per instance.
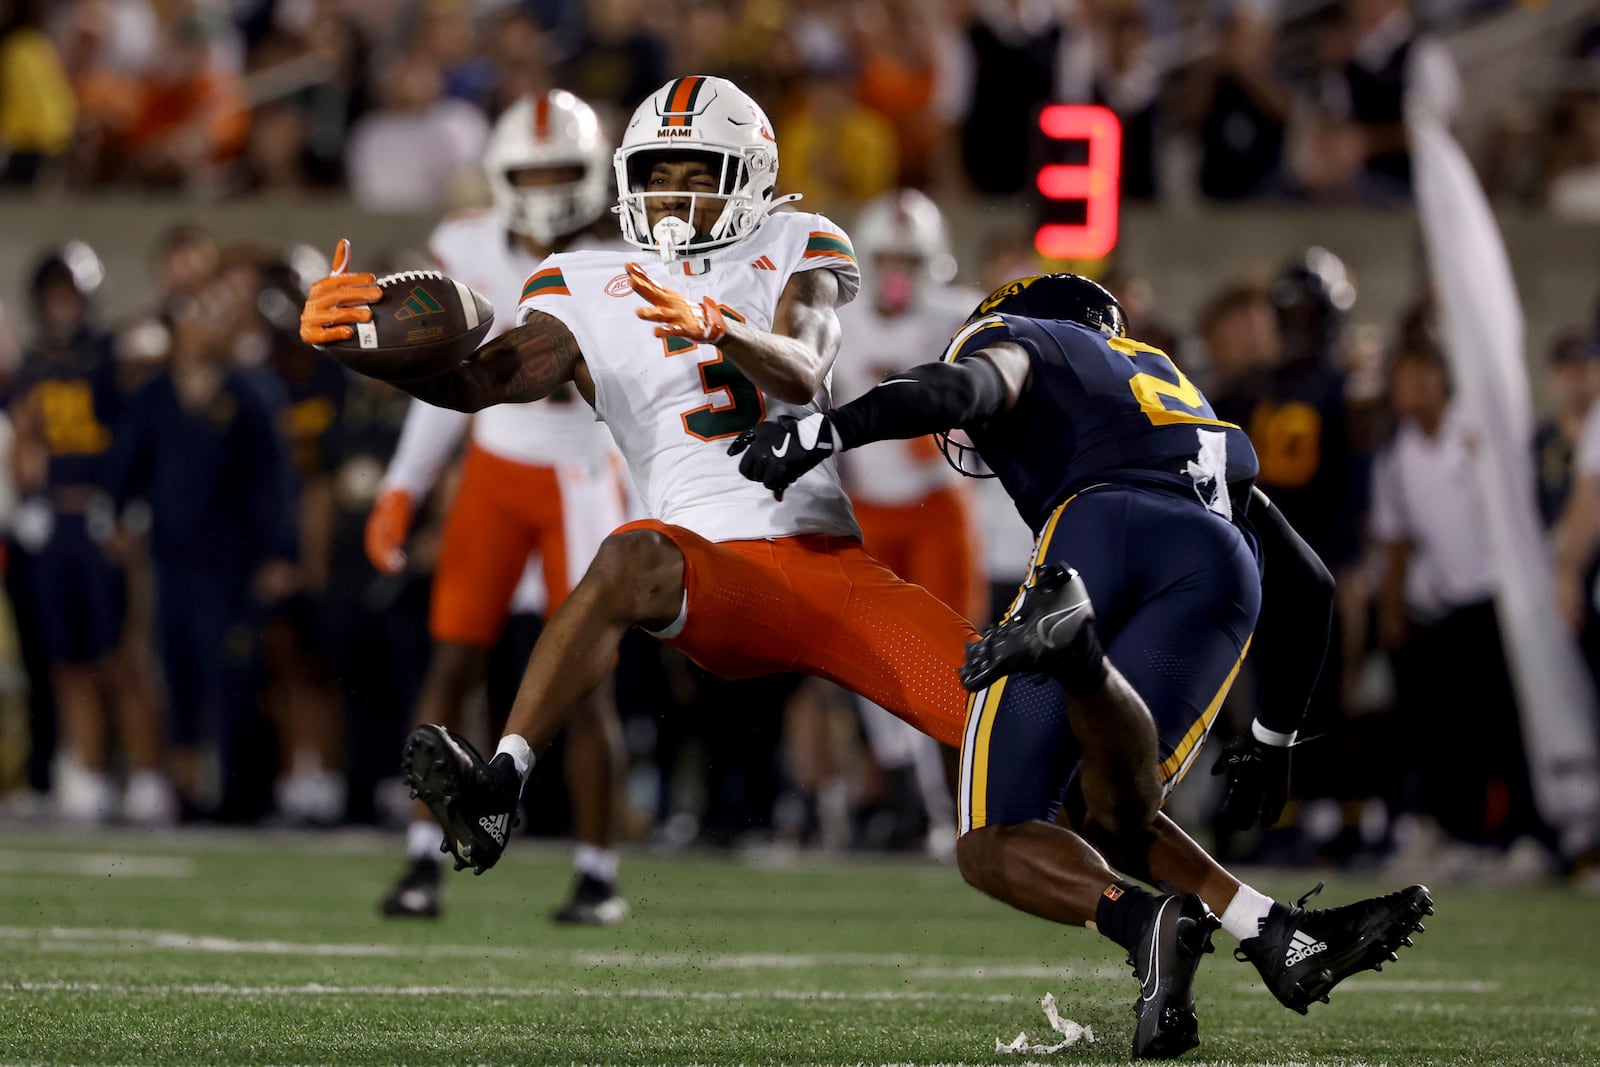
(1067, 297)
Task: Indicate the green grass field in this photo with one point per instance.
(221, 949)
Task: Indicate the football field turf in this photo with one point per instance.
(221, 949)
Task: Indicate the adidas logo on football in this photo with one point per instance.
(496, 825)
(764, 264)
(1302, 948)
(418, 302)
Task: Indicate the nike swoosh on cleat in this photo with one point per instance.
(1047, 625)
(1153, 981)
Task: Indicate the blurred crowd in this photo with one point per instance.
(203, 637)
(1223, 100)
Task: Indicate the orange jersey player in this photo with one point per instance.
(742, 583)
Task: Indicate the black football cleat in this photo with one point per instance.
(1050, 625)
(594, 903)
(416, 895)
(475, 802)
(1165, 960)
(1303, 954)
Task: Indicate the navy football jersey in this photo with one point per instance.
(1102, 409)
(75, 395)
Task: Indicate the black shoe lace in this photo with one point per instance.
(1313, 891)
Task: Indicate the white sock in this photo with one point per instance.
(422, 840)
(514, 746)
(600, 863)
(1243, 917)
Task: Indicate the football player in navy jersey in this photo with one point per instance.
(1129, 479)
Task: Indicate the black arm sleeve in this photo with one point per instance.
(929, 398)
(1291, 637)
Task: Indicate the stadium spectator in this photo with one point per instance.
(417, 150)
(1572, 382)
(521, 64)
(897, 43)
(1008, 67)
(186, 117)
(838, 151)
(37, 111)
(200, 445)
(1115, 64)
(1376, 62)
(1237, 103)
(1436, 612)
(1239, 330)
(617, 61)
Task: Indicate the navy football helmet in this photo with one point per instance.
(1070, 297)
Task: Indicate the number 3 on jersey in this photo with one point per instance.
(741, 406)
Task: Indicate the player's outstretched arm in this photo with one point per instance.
(929, 398)
(790, 362)
(521, 365)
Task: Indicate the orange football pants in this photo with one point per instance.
(822, 606)
(503, 512)
(932, 542)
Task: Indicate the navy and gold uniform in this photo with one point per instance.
(69, 401)
(1124, 472)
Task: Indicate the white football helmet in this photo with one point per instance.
(553, 130)
(905, 223)
(698, 114)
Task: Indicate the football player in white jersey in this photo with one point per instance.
(915, 511)
(539, 490)
(742, 583)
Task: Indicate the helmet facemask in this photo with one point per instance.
(547, 210)
(736, 179)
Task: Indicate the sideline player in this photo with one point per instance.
(539, 479)
(916, 514)
(1119, 463)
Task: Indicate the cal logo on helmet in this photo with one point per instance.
(1005, 292)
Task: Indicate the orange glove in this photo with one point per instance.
(387, 527)
(704, 325)
(338, 300)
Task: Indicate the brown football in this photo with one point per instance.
(424, 324)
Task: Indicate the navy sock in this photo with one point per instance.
(1123, 911)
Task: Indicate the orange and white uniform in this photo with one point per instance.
(541, 484)
(915, 511)
(769, 585)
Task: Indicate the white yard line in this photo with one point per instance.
(92, 939)
(95, 864)
(317, 989)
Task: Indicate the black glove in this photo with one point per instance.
(779, 452)
(1258, 782)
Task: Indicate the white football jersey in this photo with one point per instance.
(895, 473)
(673, 407)
(475, 248)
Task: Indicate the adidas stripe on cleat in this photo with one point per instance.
(1302, 954)
(475, 802)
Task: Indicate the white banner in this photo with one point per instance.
(1481, 320)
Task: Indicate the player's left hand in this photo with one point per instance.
(1258, 782)
(704, 325)
(778, 452)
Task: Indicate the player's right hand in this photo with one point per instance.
(387, 528)
(337, 301)
(779, 452)
(1258, 782)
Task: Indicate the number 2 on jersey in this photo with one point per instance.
(1152, 390)
(742, 404)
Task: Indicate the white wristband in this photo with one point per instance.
(1271, 737)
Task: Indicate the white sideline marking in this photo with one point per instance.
(91, 939)
(317, 989)
(96, 864)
